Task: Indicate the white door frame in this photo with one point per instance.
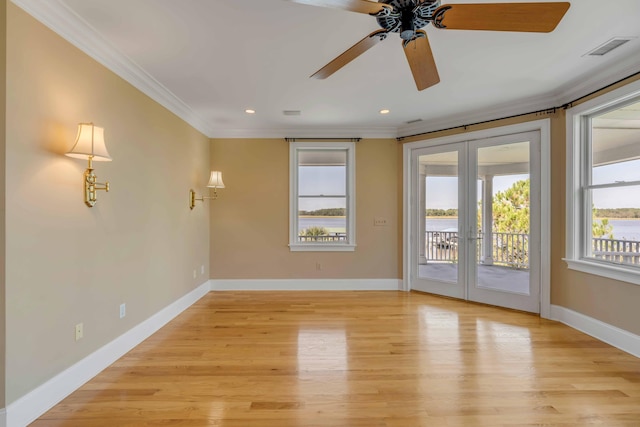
(544, 127)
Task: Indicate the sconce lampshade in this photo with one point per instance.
(216, 180)
(90, 143)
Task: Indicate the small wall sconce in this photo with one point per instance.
(215, 182)
(90, 145)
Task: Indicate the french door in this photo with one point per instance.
(475, 220)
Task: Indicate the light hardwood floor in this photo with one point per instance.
(365, 359)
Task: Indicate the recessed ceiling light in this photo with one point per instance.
(385, 111)
(250, 111)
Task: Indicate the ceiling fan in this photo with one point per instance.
(407, 17)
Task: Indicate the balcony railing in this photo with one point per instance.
(509, 249)
(618, 251)
(335, 237)
(512, 249)
(441, 246)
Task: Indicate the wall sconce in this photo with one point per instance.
(215, 182)
(90, 145)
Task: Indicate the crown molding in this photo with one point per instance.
(601, 77)
(324, 132)
(498, 112)
(56, 15)
(576, 88)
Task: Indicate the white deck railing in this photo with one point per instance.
(335, 237)
(512, 249)
(618, 251)
(509, 249)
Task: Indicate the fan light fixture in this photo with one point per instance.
(215, 182)
(90, 146)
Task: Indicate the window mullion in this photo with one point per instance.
(586, 218)
(322, 196)
(616, 184)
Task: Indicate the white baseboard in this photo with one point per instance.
(624, 340)
(307, 285)
(35, 403)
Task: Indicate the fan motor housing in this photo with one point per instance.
(409, 21)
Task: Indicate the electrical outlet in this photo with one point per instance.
(195, 273)
(379, 221)
(202, 269)
(123, 310)
(79, 331)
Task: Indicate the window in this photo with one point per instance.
(603, 185)
(322, 196)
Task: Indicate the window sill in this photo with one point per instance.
(615, 272)
(297, 247)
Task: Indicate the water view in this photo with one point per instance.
(623, 229)
(333, 224)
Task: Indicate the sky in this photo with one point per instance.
(442, 192)
(316, 180)
(621, 197)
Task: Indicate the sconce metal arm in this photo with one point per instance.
(193, 198)
(91, 186)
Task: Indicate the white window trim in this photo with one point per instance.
(575, 169)
(350, 244)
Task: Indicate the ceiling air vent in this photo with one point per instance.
(607, 47)
(291, 112)
(413, 121)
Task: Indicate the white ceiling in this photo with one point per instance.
(209, 60)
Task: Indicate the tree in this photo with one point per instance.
(600, 228)
(511, 209)
(511, 215)
(314, 231)
(511, 212)
(325, 212)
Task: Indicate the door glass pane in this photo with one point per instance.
(503, 218)
(439, 216)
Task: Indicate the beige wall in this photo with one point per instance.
(67, 263)
(3, 110)
(250, 220)
(610, 301)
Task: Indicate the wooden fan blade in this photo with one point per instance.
(421, 61)
(350, 54)
(362, 6)
(522, 17)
